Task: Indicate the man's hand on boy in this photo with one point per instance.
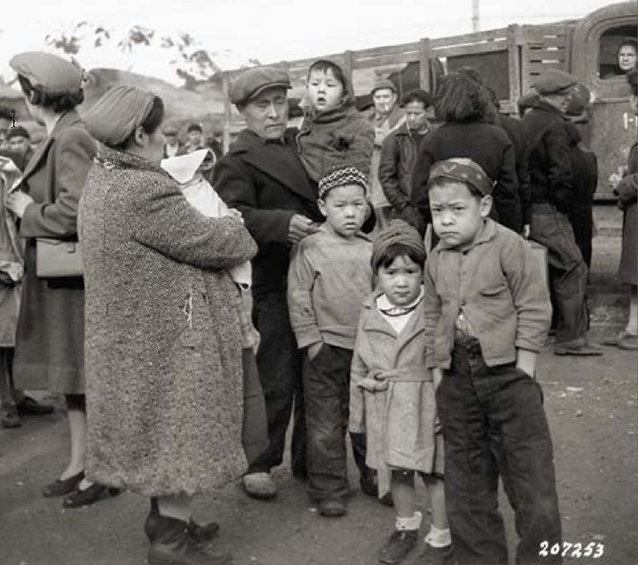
(300, 226)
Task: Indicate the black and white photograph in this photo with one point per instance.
(338, 283)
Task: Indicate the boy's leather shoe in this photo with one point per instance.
(332, 508)
(586, 350)
(400, 543)
(28, 406)
(260, 486)
(435, 556)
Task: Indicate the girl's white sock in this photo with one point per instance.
(438, 538)
(413, 523)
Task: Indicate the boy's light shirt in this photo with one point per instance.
(201, 196)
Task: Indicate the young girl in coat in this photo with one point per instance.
(392, 395)
(333, 131)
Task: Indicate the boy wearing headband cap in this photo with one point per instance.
(487, 313)
(329, 278)
(392, 395)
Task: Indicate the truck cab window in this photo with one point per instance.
(618, 51)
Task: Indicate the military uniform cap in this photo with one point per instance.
(554, 81)
(253, 81)
(385, 83)
(51, 73)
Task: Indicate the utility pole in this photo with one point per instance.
(476, 26)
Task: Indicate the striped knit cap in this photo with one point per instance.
(341, 175)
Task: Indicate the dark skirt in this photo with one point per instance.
(50, 333)
(629, 254)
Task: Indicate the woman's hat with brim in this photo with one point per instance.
(51, 73)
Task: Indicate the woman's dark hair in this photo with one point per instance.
(395, 250)
(459, 98)
(632, 78)
(58, 103)
(323, 65)
(150, 124)
(418, 95)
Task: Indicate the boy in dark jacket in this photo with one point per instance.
(398, 157)
(487, 313)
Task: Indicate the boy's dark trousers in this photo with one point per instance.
(494, 422)
(327, 401)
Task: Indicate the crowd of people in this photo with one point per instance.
(366, 275)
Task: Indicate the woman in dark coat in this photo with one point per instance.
(50, 334)
(163, 347)
(627, 191)
(463, 107)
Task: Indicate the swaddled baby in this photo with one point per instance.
(187, 171)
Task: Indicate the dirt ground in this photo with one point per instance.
(591, 405)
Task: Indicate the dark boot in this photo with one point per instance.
(173, 546)
(199, 533)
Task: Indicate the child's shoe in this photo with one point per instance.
(400, 543)
(332, 508)
(435, 556)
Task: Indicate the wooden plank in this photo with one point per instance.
(388, 50)
(424, 64)
(469, 38)
(537, 55)
(475, 49)
(382, 60)
(348, 64)
(538, 68)
(513, 60)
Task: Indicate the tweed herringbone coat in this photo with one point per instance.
(162, 341)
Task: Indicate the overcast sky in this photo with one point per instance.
(273, 30)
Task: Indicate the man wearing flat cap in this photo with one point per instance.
(172, 145)
(551, 181)
(262, 176)
(385, 116)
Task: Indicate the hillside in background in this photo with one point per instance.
(205, 105)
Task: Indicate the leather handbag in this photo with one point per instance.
(58, 258)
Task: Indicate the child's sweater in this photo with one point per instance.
(328, 280)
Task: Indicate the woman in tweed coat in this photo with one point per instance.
(162, 342)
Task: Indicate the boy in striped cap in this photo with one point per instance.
(329, 277)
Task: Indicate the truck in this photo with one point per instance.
(509, 59)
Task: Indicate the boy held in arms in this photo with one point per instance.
(333, 131)
(328, 279)
(487, 314)
(392, 395)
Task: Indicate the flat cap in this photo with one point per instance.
(253, 81)
(51, 73)
(578, 100)
(385, 83)
(554, 81)
(170, 130)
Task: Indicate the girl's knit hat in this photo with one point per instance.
(340, 175)
(397, 232)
